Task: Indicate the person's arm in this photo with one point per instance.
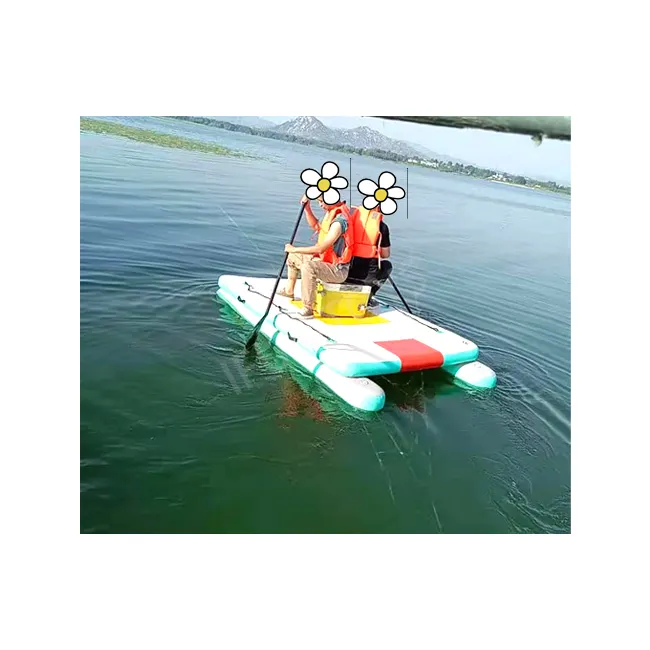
(311, 219)
(384, 250)
(334, 233)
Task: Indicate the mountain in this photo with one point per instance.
(361, 137)
(364, 142)
(250, 120)
(308, 127)
(365, 137)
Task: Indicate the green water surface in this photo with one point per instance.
(182, 431)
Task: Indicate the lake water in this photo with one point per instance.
(183, 432)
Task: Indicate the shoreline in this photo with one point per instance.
(491, 180)
(371, 153)
(527, 187)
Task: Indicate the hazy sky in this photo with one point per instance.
(506, 152)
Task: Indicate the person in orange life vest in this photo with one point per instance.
(328, 260)
(370, 265)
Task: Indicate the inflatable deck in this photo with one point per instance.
(343, 352)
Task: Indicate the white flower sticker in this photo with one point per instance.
(325, 183)
(382, 194)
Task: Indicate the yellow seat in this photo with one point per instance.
(341, 300)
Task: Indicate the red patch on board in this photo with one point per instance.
(413, 354)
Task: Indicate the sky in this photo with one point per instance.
(506, 152)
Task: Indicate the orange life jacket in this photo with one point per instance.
(348, 236)
(367, 235)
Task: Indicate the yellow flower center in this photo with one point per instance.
(324, 184)
(381, 194)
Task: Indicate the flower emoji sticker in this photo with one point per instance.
(327, 183)
(382, 194)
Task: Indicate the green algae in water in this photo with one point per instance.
(154, 137)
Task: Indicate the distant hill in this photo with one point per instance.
(247, 120)
(364, 141)
(307, 127)
(361, 137)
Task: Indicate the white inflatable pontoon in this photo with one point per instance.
(343, 352)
